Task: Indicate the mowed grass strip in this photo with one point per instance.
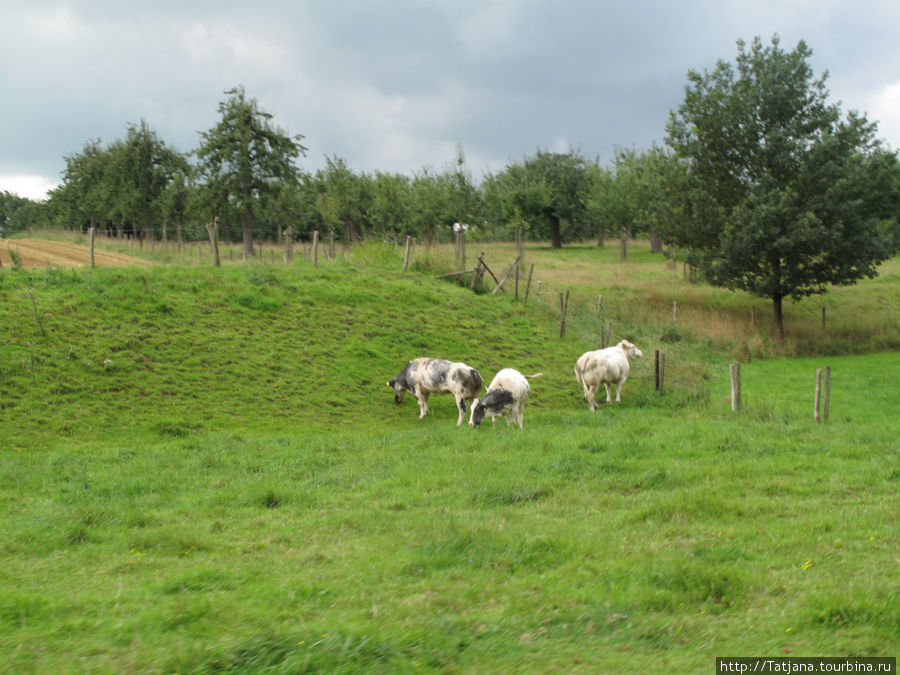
(252, 499)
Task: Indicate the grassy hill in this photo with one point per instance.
(203, 470)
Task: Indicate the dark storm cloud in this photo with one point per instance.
(396, 85)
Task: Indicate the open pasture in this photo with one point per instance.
(204, 471)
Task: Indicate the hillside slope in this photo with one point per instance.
(173, 348)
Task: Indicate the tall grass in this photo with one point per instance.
(202, 470)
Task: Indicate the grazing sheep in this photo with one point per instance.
(605, 366)
(505, 397)
(436, 376)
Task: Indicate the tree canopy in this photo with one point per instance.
(244, 156)
(548, 191)
(782, 195)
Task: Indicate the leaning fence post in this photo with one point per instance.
(528, 285)
(735, 387)
(91, 232)
(827, 393)
(563, 307)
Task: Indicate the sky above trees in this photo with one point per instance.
(395, 85)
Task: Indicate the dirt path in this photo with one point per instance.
(39, 253)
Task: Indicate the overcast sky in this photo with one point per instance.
(395, 85)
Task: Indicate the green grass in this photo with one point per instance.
(202, 471)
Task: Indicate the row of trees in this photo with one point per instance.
(244, 173)
(762, 185)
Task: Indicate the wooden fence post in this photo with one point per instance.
(528, 285)
(477, 273)
(517, 283)
(656, 368)
(563, 306)
(735, 387)
(315, 247)
(503, 279)
(823, 394)
(288, 245)
(662, 373)
(816, 417)
(91, 233)
(674, 310)
(406, 255)
(213, 230)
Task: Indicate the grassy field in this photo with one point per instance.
(203, 471)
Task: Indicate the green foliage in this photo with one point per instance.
(244, 156)
(19, 213)
(784, 197)
(547, 191)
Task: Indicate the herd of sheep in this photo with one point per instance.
(508, 391)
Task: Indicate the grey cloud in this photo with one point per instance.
(395, 84)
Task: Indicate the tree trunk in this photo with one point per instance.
(555, 234)
(601, 236)
(655, 242)
(779, 317)
(247, 221)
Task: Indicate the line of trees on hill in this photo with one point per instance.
(245, 172)
(762, 185)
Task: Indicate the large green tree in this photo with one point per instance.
(548, 191)
(245, 155)
(85, 195)
(149, 165)
(784, 195)
(343, 198)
